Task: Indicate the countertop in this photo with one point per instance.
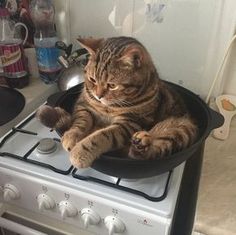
(35, 94)
(216, 207)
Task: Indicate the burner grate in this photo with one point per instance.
(27, 156)
(117, 184)
(18, 128)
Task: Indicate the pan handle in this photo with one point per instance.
(216, 119)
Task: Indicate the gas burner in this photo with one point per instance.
(31, 142)
(47, 146)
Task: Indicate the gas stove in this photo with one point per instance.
(37, 178)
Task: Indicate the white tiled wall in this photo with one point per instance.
(179, 37)
(230, 74)
(179, 44)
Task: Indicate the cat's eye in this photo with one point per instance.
(91, 79)
(112, 86)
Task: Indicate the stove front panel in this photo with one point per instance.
(68, 206)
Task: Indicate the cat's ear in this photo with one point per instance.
(132, 57)
(90, 44)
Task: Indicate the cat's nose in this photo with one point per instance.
(99, 96)
(100, 93)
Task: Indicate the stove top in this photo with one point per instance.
(25, 142)
(34, 149)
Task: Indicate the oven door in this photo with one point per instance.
(8, 227)
(15, 224)
(17, 221)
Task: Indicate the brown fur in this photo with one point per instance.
(123, 99)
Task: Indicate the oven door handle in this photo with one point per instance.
(18, 228)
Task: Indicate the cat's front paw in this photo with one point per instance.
(140, 145)
(70, 139)
(81, 156)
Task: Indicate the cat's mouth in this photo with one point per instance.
(116, 103)
(102, 100)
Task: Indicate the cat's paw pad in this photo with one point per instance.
(70, 139)
(47, 115)
(81, 158)
(140, 144)
(141, 139)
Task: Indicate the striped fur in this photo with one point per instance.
(124, 105)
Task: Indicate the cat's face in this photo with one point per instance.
(115, 74)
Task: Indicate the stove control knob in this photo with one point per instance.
(89, 217)
(67, 209)
(45, 202)
(10, 192)
(114, 225)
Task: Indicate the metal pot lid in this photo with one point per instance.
(11, 104)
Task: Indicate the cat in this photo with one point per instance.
(124, 105)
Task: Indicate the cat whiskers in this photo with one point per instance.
(123, 103)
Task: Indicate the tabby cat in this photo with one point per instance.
(124, 105)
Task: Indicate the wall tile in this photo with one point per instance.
(101, 18)
(178, 42)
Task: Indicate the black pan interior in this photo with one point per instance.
(11, 104)
(121, 166)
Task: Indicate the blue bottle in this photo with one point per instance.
(45, 36)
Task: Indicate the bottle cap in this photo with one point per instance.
(4, 12)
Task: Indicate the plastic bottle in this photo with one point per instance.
(13, 61)
(45, 37)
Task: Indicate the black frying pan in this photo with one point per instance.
(11, 104)
(122, 167)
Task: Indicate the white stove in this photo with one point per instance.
(41, 188)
